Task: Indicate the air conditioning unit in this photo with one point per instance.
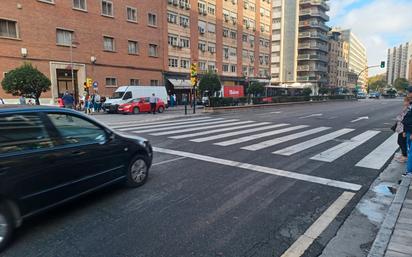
(182, 4)
(202, 31)
(226, 56)
(175, 44)
(188, 6)
(185, 24)
(234, 21)
(244, 73)
(246, 6)
(262, 29)
(262, 14)
(233, 1)
(170, 1)
(203, 49)
(204, 12)
(226, 17)
(176, 2)
(247, 25)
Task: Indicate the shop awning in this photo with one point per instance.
(181, 83)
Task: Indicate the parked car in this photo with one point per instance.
(125, 93)
(361, 95)
(140, 105)
(50, 155)
(375, 95)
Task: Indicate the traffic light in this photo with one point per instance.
(193, 81)
(89, 82)
(382, 64)
(193, 74)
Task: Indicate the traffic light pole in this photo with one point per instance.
(194, 99)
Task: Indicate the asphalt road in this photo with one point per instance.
(206, 199)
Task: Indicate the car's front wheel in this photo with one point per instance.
(6, 226)
(161, 109)
(138, 171)
(136, 110)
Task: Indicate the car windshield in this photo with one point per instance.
(117, 95)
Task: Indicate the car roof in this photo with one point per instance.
(10, 108)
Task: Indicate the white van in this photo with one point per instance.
(125, 93)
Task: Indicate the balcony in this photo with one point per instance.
(312, 68)
(311, 13)
(306, 46)
(312, 57)
(313, 24)
(313, 35)
(320, 3)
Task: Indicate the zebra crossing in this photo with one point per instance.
(263, 135)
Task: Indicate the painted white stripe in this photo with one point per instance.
(165, 124)
(378, 157)
(312, 115)
(311, 143)
(280, 140)
(257, 136)
(219, 130)
(201, 128)
(236, 133)
(139, 122)
(336, 152)
(167, 161)
(163, 128)
(299, 247)
(267, 170)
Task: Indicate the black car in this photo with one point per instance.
(49, 156)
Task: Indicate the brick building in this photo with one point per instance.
(129, 42)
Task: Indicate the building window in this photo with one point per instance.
(211, 66)
(47, 1)
(108, 44)
(154, 82)
(184, 42)
(111, 82)
(133, 47)
(233, 34)
(245, 53)
(153, 50)
(64, 37)
(8, 28)
(211, 47)
(185, 63)
(172, 18)
(201, 27)
(152, 19)
(80, 4)
(244, 37)
(134, 82)
(173, 62)
(202, 46)
(202, 66)
(225, 67)
(232, 68)
(211, 8)
(184, 21)
(225, 32)
(131, 14)
(211, 28)
(172, 40)
(232, 51)
(107, 8)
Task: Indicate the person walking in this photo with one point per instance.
(97, 102)
(398, 128)
(68, 100)
(2, 101)
(22, 100)
(153, 102)
(407, 126)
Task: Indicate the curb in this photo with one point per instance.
(383, 237)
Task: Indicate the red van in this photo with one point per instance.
(140, 105)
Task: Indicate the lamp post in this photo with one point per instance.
(71, 66)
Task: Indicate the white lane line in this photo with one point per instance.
(183, 126)
(280, 140)
(299, 247)
(378, 157)
(257, 136)
(275, 112)
(139, 122)
(313, 142)
(167, 161)
(219, 130)
(164, 124)
(336, 152)
(360, 118)
(312, 115)
(201, 128)
(236, 133)
(267, 170)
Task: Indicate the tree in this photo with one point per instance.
(401, 84)
(307, 91)
(323, 91)
(255, 89)
(377, 82)
(210, 83)
(26, 81)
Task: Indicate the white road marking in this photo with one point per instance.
(167, 161)
(257, 136)
(143, 123)
(335, 152)
(378, 157)
(183, 126)
(164, 124)
(280, 140)
(299, 247)
(267, 170)
(201, 128)
(311, 143)
(219, 130)
(210, 138)
(275, 112)
(360, 118)
(312, 115)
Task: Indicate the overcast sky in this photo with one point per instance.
(379, 24)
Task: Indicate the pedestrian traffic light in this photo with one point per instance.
(193, 80)
(89, 82)
(193, 70)
(382, 64)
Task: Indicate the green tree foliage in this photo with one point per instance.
(323, 91)
(377, 83)
(210, 82)
(255, 89)
(307, 91)
(26, 81)
(401, 84)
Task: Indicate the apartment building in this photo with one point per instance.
(231, 37)
(299, 55)
(338, 66)
(358, 61)
(399, 63)
(112, 42)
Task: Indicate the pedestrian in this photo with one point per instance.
(22, 100)
(68, 100)
(97, 102)
(398, 128)
(153, 102)
(30, 102)
(407, 126)
(2, 101)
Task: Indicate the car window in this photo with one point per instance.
(20, 132)
(147, 99)
(128, 95)
(76, 130)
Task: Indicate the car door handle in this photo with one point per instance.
(78, 153)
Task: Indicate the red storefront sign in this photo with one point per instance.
(233, 91)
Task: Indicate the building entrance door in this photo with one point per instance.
(64, 83)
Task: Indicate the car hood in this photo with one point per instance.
(131, 136)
